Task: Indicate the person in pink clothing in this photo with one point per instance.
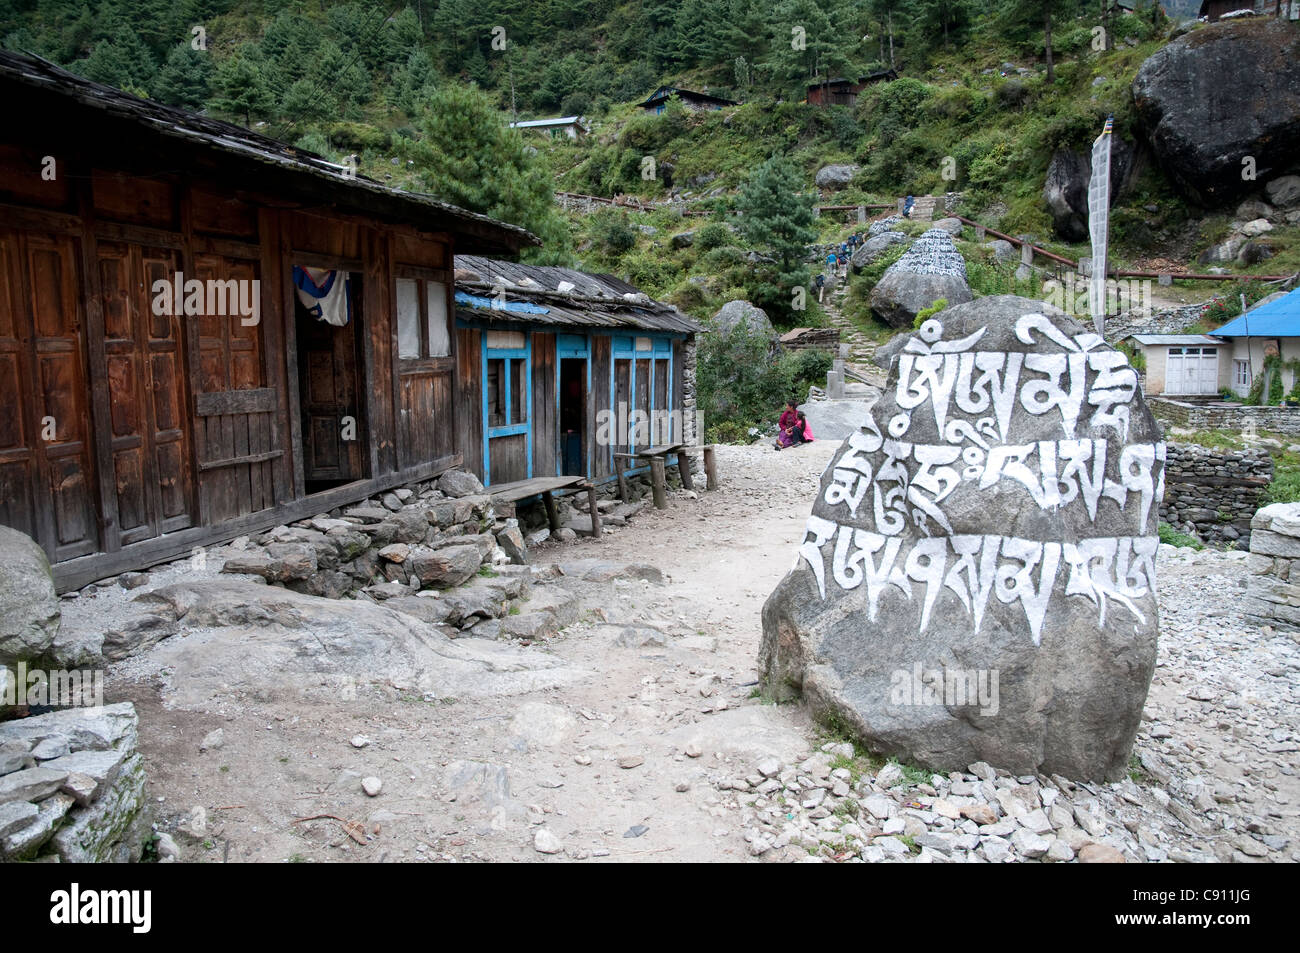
(803, 428)
(788, 433)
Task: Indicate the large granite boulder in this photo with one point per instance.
(886, 224)
(1226, 93)
(977, 577)
(931, 269)
(29, 605)
(733, 314)
(835, 177)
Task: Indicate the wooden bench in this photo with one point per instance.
(657, 457)
(546, 488)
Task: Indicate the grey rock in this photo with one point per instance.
(734, 314)
(1198, 124)
(1003, 250)
(857, 609)
(874, 247)
(512, 542)
(545, 842)
(952, 226)
(1284, 191)
(31, 784)
(446, 567)
(214, 740)
(1065, 190)
(114, 827)
(458, 483)
(29, 606)
(835, 177)
(16, 815)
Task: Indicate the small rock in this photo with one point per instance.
(544, 842)
(213, 740)
(360, 741)
(372, 786)
(1100, 854)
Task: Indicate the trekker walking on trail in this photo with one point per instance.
(820, 282)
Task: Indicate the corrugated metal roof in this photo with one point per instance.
(1175, 339)
(1277, 319)
(36, 76)
(586, 301)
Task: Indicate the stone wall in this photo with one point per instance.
(690, 400)
(1214, 493)
(1170, 321)
(72, 787)
(1272, 596)
(1234, 417)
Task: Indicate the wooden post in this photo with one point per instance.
(710, 469)
(684, 468)
(624, 491)
(595, 510)
(552, 514)
(657, 482)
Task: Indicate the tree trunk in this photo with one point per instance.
(891, 40)
(1047, 38)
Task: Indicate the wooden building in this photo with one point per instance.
(842, 91)
(657, 100)
(560, 362)
(165, 384)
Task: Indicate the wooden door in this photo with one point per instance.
(331, 410)
(143, 358)
(46, 474)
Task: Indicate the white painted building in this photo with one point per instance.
(1182, 365)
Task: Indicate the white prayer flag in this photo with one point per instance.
(1099, 225)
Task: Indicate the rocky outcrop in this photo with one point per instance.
(72, 787)
(932, 269)
(1223, 101)
(1066, 189)
(977, 577)
(835, 177)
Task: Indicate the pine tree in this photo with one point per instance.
(777, 219)
(122, 61)
(183, 79)
(242, 85)
(467, 155)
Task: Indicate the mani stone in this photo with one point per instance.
(930, 270)
(977, 579)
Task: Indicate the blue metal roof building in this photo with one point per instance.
(1279, 318)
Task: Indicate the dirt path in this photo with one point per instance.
(671, 666)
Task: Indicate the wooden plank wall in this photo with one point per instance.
(469, 399)
(545, 418)
(174, 425)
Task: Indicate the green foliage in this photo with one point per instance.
(779, 219)
(1174, 538)
(467, 155)
(742, 384)
(612, 232)
(925, 314)
(713, 235)
(1285, 487)
(1137, 358)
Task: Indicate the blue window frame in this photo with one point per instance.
(657, 350)
(507, 397)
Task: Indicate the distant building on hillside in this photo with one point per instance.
(690, 99)
(842, 91)
(1183, 365)
(572, 127)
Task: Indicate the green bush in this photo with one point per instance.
(611, 232)
(925, 314)
(711, 236)
(742, 384)
(1174, 538)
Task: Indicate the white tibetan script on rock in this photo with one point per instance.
(882, 484)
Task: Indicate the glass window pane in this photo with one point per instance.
(496, 392)
(518, 392)
(408, 318)
(439, 339)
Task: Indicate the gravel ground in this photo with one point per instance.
(664, 753)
